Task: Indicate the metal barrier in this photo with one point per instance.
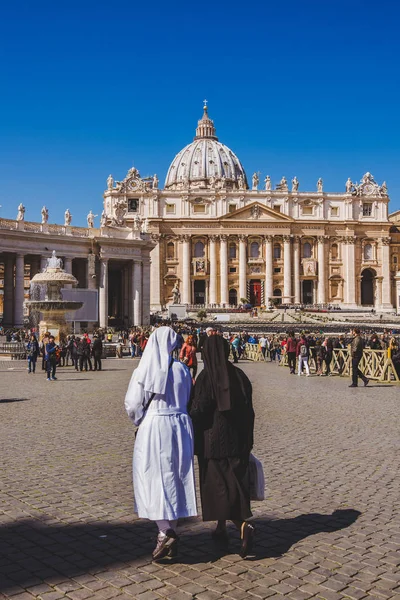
(16, 350)
(377, 365)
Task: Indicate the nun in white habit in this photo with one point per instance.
(163, 473)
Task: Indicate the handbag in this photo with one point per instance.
(257, 479)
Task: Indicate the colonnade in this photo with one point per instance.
(14, 285)
(136, 292)
(290, 280)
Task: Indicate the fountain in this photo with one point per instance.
(52, 307)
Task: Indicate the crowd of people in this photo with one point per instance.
(80, 351)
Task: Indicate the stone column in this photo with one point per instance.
(287, 271)
(397, 284)
(269, 271)
(137, 293)
(91, 272)
(296, 258)
(350, 289)
(126, 289)
(8, 297)
(242, 267)
(19, 291)
(68, 264)
(321, 293)
(212, 239)
(103, 293)
(385, 253)
(186, 298)
(223, 263)
(155, 279)
(146, 292)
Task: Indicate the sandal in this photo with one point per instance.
(167, 545)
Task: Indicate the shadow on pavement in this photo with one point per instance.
(5, 400)
(33, 552)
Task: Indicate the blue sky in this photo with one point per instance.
(307, 88)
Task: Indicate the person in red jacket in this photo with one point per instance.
(188, 355)
(291, 347)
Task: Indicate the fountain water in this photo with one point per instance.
(52, 307)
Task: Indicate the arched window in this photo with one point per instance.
(368, 252)
(232, 250)
(254, 250)
(334, 252)
(199, 250)
(307, 250)
(278, 293)
(277, 251)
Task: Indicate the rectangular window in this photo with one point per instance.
(367, 209)
(334, 211)
(170, 209)
(308, 210)
(277, 270)
(232, 208)
(133, 204)
(277, 208)
(232, 269)
(199, 208)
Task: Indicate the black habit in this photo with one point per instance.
(223, 420)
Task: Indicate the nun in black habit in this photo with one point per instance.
(223, 419)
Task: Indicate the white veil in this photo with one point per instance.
(151, 376)
(152, 372)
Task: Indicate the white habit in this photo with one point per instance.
(163, 472)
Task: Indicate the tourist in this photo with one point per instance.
(223, 420)
(42, 347)
(97, 351)
(33, 352)
(303, 353)
(263, 345)
(188, 355)
(291, 346)
(356, 349)
(88, 350)
(163, 470)
(51, 361)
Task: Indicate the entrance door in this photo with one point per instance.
(255, 292)
(367, 288)
(307, 292)
(115, 297)
(233, 297)
(199, 291)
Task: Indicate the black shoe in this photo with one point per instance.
(353, 385)
(247, 532)
(366, 382)
(166, 544)
(220, 535)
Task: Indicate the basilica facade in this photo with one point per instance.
(223, 240)
(213, 237)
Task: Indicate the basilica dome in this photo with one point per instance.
(206, 163)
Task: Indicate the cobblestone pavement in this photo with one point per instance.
(329, 527)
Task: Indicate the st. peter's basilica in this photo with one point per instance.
(214, 237)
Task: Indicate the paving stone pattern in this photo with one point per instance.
(329, 527)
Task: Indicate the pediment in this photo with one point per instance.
(256, 212)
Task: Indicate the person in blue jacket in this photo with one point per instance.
(51, 359)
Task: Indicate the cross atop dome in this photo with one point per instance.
(205, 126)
